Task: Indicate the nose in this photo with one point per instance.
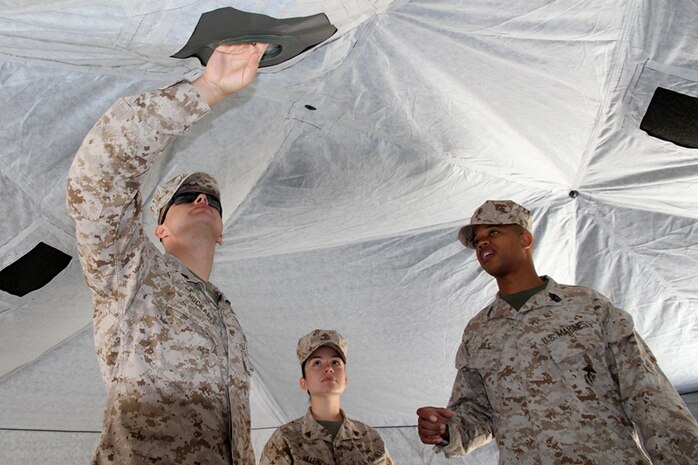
(201, 198)
(328, 368)
(482, 243)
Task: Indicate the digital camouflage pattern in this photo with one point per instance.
(305, 442)
(173, 358)
(318, 338)
(195, 182)
(495, 212)
(563, 380)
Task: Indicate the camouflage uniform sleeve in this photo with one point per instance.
(667, 429)
(388, 457)
(471, 426)
(104, 180)
(275, 451)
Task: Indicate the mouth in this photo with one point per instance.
(203, 207)
(486, 254)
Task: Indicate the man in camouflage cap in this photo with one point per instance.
(555, 373)
(172, 354)
(495, 212)
(325, 434)
(195, 183)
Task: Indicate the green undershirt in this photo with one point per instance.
(331, 426)
(519, 299)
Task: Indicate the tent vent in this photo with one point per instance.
(34, 270)
(673, 117)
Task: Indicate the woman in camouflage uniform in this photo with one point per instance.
(325, 435)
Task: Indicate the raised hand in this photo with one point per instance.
(230, 68)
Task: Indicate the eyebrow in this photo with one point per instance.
(334, 357)
(487, 227)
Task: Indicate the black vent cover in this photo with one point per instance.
(287, 37)
(34, 270)
(673, 117)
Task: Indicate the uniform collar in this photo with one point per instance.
(550, 296)
(313, 430)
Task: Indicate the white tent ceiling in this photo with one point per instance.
(346, 216)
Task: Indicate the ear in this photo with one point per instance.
(161, 231)
(303, 384)
(526, 239)
(219, 241)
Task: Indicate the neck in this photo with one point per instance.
(197, 257)
(517, 282)
(325, 408)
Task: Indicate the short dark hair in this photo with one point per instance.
(303, 371)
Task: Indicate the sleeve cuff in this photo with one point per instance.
(454, 446)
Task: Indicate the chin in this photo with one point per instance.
(494, 272)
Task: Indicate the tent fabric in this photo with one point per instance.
(345, 174)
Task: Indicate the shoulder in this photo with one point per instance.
(373, 448)
(579, 295)
(293, 425)
(277, 450)
(279, 439)
(481, 317)
(474, 329)
(363, 430)
(572, 289)
(359, 425)
(588, 300)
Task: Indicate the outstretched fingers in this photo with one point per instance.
(230, 68)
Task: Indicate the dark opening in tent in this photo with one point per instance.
(33, 270)
(672, 116)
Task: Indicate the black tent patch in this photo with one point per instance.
(673, 117)
(34, 270)
(287, 37)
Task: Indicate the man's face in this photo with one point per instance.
(500, 249)
(324, 373)
(194, 212)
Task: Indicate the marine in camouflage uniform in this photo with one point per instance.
(305, 440)
(563, 379)
(172, 354)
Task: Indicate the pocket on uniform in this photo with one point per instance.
(570, 345)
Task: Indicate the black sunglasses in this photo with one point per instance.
(189, 197)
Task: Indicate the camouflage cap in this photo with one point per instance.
(194, 182)
(318, 338)
(494, 212)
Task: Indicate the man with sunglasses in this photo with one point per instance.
(172, 354)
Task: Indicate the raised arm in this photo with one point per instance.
(104, 180)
